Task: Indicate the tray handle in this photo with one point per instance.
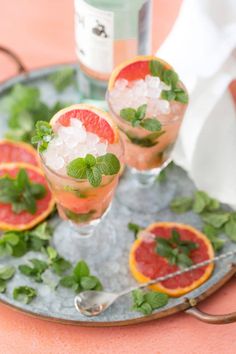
(212, 319)
(20, 66)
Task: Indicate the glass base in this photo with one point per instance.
(89, 242)
(143, 193)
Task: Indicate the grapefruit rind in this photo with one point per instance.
(141, 278)
(20, 227)
(26, 147)
(82, 106)
(126, 63)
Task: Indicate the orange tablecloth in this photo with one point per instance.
(41, 32)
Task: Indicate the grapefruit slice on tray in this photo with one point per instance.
(23, 220)
(146, 263)
(134, 69)
(94, 120)
(12, 151)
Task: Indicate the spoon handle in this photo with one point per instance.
(179, 272)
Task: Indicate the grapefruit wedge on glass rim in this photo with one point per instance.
(94, 120)
(15, 151)
(44, 206)
(134, 69)
(146, 264)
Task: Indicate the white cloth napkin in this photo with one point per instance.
(201, 49)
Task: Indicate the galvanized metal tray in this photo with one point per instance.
(59, 305)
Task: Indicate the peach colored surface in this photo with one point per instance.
(41, 32)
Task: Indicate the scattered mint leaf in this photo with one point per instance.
(147, 302)
(151, 124)
(34, 270)
(24, 294)
(135, 228)
(6, 272)
(201, 200)
(93, 168)
(20, 193)
(3, 286)
(180, 205)
(230, 228)
(43, 135)
(216, 219)
(212, 235)
(63, 78)
(81, 279)
(213, 205)
(58, 264)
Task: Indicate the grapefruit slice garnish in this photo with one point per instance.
(24, 220)
(94, 120)
(146, 264)
(12, 151)
(134, 69)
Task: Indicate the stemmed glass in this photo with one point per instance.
(147, 153)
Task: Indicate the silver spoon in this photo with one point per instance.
(92, 303)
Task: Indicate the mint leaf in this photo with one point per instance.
(151, 124)
(81, 270)
(88, 283)
(181, 96)
(128, 114)
(34, 270)
(216, 220)
(156, 68)
(20, 193)
(168, 95)
(43, 135)
(62, 79)
(6, 272)
(24, 294)
(135, 228)
(3, 286)
(141, 112)
(156, 299)
(213, 205)
(180, 205)
(79, 218)
(94, 176)
(108, 164)
(138, 297)
(90, 160)
(201, 200)
(170, 78)
(230, 229)
(145, 308)
(68, 281)
(77, 168)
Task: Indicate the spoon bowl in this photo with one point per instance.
(92, 303)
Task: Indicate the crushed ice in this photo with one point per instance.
(135, 93)
(72, 142)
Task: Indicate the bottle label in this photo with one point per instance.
(94, 32)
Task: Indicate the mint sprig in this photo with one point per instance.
(148, 301)
(20, 193)
(34, 269)
(93, 168)
(137, 118)
(6, 273)
(81, 279)
(170, 78)
(175, 250)
(63, 78)
(24, 294)
(216, 220)
(43, 135)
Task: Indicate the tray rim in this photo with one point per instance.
(187, 302)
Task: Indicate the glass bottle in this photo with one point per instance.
(108, 32)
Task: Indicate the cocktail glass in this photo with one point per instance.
(147, 153)
(83, 209)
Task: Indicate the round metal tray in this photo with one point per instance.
(58, 305)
